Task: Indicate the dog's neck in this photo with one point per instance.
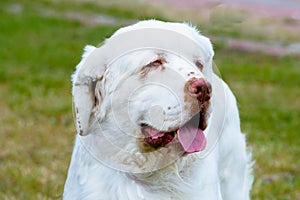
(174, 179)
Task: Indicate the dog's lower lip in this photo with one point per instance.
(157, 138)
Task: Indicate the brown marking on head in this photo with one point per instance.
(186, 90)
(157, 64)
(194, 105)
(199, 64)
(79, 123)
(98, 94)
(201, 108)
(204, 115)
(191, 73)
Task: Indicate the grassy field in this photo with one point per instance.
(40, 45)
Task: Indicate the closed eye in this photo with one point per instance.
(156, 63)
(199, 65)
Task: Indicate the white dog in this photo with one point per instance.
(154, 121)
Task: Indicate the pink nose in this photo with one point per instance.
(200, 88)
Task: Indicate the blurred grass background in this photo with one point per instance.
(41, 42)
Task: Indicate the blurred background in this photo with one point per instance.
(257, 50)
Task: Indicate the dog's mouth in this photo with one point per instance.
(190, 136)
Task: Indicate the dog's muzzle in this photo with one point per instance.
(190, 135)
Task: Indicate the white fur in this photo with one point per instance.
(224, 173)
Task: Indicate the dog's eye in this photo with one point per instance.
(156, 63)
(199, 65)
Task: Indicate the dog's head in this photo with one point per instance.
(148, 97)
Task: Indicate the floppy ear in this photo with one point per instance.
(88, 71)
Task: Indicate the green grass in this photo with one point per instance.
(38, 54)
(239, 23)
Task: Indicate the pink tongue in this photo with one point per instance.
(191, 139)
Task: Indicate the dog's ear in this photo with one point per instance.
(88, 71)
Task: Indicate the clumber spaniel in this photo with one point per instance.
(154, 121)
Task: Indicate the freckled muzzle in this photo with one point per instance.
(190, 135)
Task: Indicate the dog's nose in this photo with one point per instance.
(199, 88)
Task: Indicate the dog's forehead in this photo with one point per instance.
(182, 40)
(134, 61)
(178, 37)
(183, 28)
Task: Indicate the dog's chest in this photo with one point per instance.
(92, 180)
